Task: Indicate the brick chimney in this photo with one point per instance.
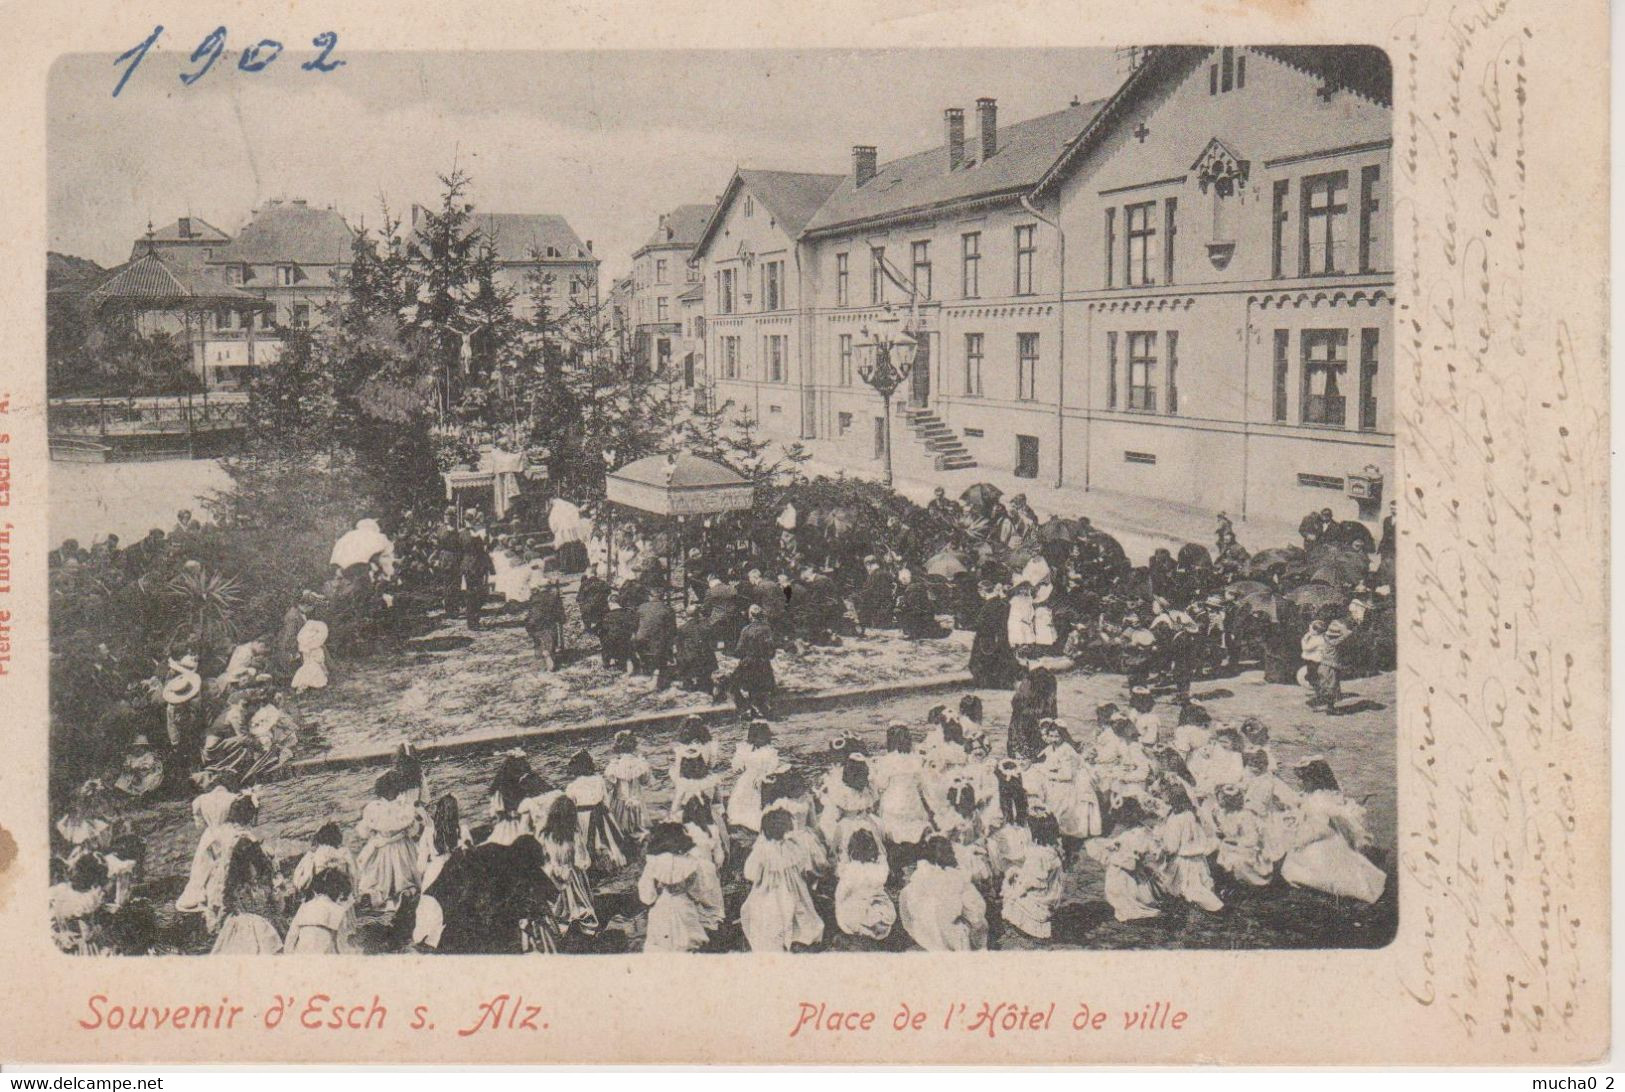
(863, 163)
(954, 118)
(186, 227)
(987, 116)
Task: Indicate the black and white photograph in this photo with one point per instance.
(721, 502)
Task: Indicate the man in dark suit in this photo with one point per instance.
(753, 684)
(695, 665)
(877, 599)
(652, 644)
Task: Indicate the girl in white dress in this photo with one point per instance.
(326, 851)
(1133, 858)
(850, 805)
(1067, 786)
(628, 775)
(940, 908)
(1241, 839)
(779, 912)
(324, 923)
(694, 733)
(247, 902)
(961, 824)
(566, 865)
(76, 904)
(862, 906)
(1032, 889)
(206, 885)
(1217, 762)
(899, 777)
(1330, 834)
(709, 857)
(1188, 846)
(786, 790)
(753, 761)
(668, 888)
(692, 779)
(598, 833)
(387, 866)
(508, 820)
(1272, 802)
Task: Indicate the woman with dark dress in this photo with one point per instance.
(993, 663)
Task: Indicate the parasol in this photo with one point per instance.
(945, 564)
(982, 496)
(1265, 560)
(1057, 529)
(1313, 597)
(1246, 587)
(1194, 555)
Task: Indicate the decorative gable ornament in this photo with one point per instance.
(1220, 168)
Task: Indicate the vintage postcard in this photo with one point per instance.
(955, 533)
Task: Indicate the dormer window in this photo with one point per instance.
(1228, 73)
(287, 275)
(750, 206)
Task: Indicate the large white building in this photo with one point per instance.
(1184, 291)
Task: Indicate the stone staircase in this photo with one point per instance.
(947, 450)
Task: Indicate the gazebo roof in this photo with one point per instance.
(151, 283)
(683, 472)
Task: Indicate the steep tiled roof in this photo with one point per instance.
(290, 231)
(791, 197)
(151, 281)
(198, 231)
(523, 236)
(1026, 150)
(681, 226)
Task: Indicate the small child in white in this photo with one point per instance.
(779, 912)
(668, 888)
(940, 908)
(323, 924)
(386, 867)
(247, 904)
(1133, 857)
(862, 906)
(628, 776)
(753, 761)
(600, 835)
(1032, 890)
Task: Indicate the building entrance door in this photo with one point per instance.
(920, 380)
(1026, 456)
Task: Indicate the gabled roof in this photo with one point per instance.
(791, 197)
(528, 236)
(1364, 70)
(1026, 150)
(290, 232)
(681, 226)
(198, 230)
(152, 283)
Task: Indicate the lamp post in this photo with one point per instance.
(887, 361)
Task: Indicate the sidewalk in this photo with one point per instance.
(1140, 524)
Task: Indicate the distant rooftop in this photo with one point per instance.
(290, 231)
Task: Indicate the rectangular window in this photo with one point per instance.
(301, 315)
(285, 275)
(1278, 229)
(773, 350)
(1324, 216)
(1142, 233)
(973, 365)
(730, 358)
(1027, 367)
(1173, 371)
(921, 254)
(1144, 458)
(1142, 371)
(725, 291)
(662, 309)
(660, 271)
(1227, 68)
(841, 281)
(1368, 378)
(772, 286)
(1325, 359)
(1282, 342)
(877, 276)
(1170, 209)
(846, 360)
(1371, 257)
(1111, 245)
(1026, 252)
(843, 423)
(1111, 371)
(1026, 456)
(970, 275)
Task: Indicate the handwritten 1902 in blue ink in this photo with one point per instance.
(254, 58)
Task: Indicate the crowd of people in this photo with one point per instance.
(1032, 593)
(924, 838)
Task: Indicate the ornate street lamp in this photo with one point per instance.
(886, 361)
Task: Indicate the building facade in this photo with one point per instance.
(756, 339)
(534, 249)
(1182, 292)
(1230, 285)
(661, 275)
